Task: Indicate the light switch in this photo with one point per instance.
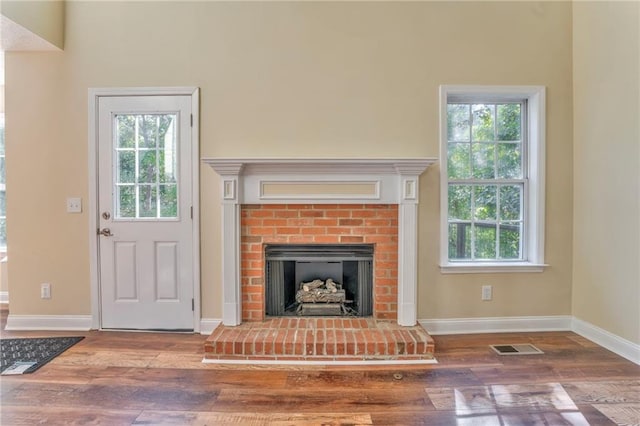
(74, 205)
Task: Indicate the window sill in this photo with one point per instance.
(491, 268)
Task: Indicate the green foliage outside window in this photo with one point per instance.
(485, 172)
(146, 172)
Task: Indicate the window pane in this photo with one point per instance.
(483, 123)
(3, 232)
(126, 167)
(459, 165)
(125, 201)
(485, 242)
(168, 154)
(509, 161)
(510, 202)
(483, 160)
(168, 201)
(510, 241)
(147, 166)
(458, 126)
(148, 201)
(460, 202)
(148, 131)
(2, 169)
(125, 132)
(484, 198)
(509, 122)
(460, 240)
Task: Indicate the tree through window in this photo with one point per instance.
(492, 175)
(485, 180)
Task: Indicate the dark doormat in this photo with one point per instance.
(21, 356)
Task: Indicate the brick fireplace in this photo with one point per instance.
(375, 224)
(372, 201)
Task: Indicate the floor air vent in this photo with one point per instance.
(520, 349)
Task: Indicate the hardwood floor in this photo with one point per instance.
(117, 378)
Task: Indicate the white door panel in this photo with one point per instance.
(144, 204)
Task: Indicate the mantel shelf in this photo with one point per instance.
(284, 166)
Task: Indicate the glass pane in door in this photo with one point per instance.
(146, 162)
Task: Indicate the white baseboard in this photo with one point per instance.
(614, 343)
(207, 325)
(49, 322)
(4, 297)
(496, 324)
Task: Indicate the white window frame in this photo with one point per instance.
(533, 237)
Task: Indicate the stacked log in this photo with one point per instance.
(318, 291)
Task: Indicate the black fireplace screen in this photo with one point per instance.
(319, 279)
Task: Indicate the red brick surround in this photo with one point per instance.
(323, 224)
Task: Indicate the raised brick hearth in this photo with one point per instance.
(375, 224)
(319, 339)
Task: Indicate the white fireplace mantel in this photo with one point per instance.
(318, 181)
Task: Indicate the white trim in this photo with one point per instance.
(610, 341)
(4, 297)
(534, 217)
(195, 205)
(489, 268)
(496, 324)
(207, 325)
(370, 196)
(244, 178)
(369, 362)
(49, 322)
(94, 95)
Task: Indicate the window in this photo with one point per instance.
(492, 193)
(3, 205)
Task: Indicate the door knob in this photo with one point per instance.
(105, 232)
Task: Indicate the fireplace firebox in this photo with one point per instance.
(319, 279)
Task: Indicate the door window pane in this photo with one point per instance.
(125, 201)
(146, 155)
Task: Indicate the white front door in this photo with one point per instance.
(145, 234)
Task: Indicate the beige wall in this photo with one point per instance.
(606, 271)
(284, 79)
(44, 18)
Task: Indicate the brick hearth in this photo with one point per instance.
(319, 339)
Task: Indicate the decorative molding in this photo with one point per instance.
(396, 178)
(320, 190)
(49, 322)
(278, 166)
(496, 324)
(614, 343)
(4, 297)
(207, 325)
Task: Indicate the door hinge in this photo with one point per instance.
(191, 212)
(191, 119)
(193, 305)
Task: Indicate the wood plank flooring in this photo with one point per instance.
(118, 378)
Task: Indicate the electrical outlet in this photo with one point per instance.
(487, 292)
(45, 291)
(74, 205)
